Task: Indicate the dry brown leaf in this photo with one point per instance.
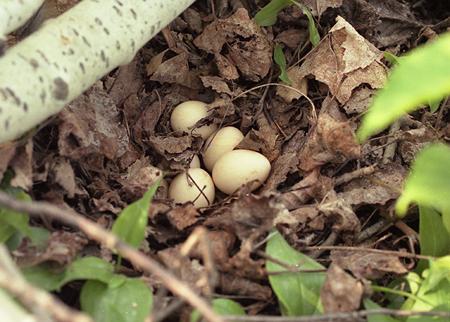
(22, 165)
(299, 82)
(249, 49)
(216, 83)
(368, 265)
(183, 216)
(378, 188)
(340, 292)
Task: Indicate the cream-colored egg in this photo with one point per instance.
(195, 162)
(187, 114)
(219, 143)
(197, 188)
(237, 167)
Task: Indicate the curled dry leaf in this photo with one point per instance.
(248, 47)
(340, 292)
(331, 140)
(236, 285)
(176, 71)
(216, 83)
(299, 82)
(62, 247)
(343, 61)
(368, 265)
(378, 188)
(64, 175)
(90, 126)
(21, 164)
(183, 216)
(292, 37)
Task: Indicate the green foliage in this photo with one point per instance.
(128, 301)
(298, 292)
(132, 221)
(420, 77)
(221, 307)
(280, 59)
(433, 293)
(428, 183)
(86, 268)
(434, 237)
(370, 305)
(267, 16)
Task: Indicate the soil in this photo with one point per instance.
(108, 146)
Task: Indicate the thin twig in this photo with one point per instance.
(109, 240)
(346, 177)
(31, 296)
(350, 316)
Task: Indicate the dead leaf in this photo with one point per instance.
(299, 82)
(226, 68)
(216, 83)
(368, 265)
(378, 188)
(340, 292)
(183, 216)
(21, 164)
(292, 37)
(249, 49)
(236, 285)
(62, 247)
(64, 176)
(6, 154)
(331, 140)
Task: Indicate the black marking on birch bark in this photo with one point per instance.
(11, 93)
(119, 3)
(152, 29)
(7, 124)
(133, 13)
(4, 96)
(25, 107)
(43, 96)
(43, 56)
(117, 10)
(61, 90)
(83, 70)
(71, 51)
(75, 32)
(41, 79)
(86, 41)
(34, 63)
(98, 21)
(106, 30)
(118, 45)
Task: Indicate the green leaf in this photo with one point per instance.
(434, 238)
(428, 183)
(314, 36)
(280, 59)
(439, 270)
(391, 58)
(370, 305)
(221, 307)
(267, 16)
(297, 293)
(420, 77)
(44, 276)
(86, 268)
(131, 301)
(15, 221)
(132, 221)
(434, 104)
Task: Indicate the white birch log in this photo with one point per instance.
(14, 13)
(57, 63)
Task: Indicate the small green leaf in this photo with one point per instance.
(280, 59)
(132, 221)
(428, 183)
(420, 77)
(434, 104)
(434, 238)
(15, 220)
(370, 305)
(391, 58)
(439, 270)
(44, 276)
(267, 16)
(314, 36)
(86, 268)
(131, 301)
(298, 293)
(221, 307)
(89, 268)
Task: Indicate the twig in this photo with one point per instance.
(346, 177)
(31, 296)
(370, 250)
(350, 316)
(389, 152)
(109, 240)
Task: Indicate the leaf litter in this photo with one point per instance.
(113, 142)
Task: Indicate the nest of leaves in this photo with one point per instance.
(108, 146)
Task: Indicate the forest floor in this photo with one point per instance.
(106, 148)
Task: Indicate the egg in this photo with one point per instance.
(195, 162)
(219, 143)
(237, 167)
(197, 188)
(187, 114)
